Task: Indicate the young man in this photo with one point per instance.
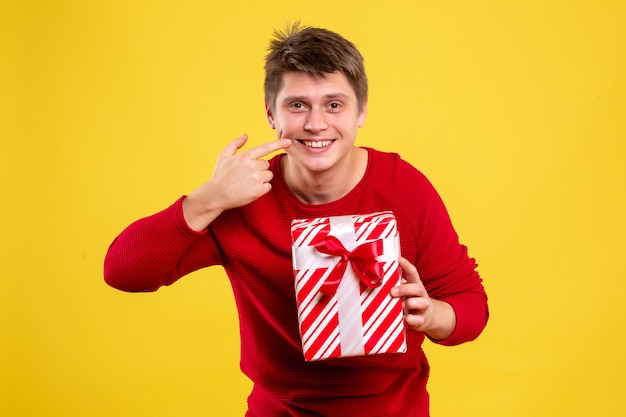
(316, 100)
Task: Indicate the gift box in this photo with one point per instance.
(344, 268)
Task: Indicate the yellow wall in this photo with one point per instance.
(109, 110)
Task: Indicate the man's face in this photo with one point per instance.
(320, 115)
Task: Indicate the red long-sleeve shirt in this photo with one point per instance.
(253, 244)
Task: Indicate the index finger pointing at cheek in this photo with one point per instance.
(269, 147)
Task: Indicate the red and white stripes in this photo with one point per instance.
(357, 320)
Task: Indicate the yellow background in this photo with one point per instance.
(109, 110)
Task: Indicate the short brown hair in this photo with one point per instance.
(313, 51)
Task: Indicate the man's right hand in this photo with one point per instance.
(238, 179)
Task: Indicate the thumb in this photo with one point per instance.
(235, 145)
(410, 272)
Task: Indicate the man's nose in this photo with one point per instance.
(316, 120)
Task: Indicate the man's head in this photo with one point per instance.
(313, 51)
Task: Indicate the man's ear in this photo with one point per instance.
(363, 113)
(269, 115)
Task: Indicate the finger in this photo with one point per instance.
(266, 176)
(415, 303)
(412, 289)
(411, 285)
(410, 272)
(269, 147)
(235, 145)
(414, 321)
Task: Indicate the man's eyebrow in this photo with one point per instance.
(305, 98)
(295, 98)
(337, 95)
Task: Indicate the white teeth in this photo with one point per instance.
(317, 144)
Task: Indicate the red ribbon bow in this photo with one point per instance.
(362, 259)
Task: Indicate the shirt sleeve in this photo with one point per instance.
(447, 271)
(452, 276)
(157, 250)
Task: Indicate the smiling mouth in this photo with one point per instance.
(316, 143)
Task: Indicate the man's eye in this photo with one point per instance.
(335, 106)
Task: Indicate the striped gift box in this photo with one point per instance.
(344, 267)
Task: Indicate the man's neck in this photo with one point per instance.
(325, 186)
